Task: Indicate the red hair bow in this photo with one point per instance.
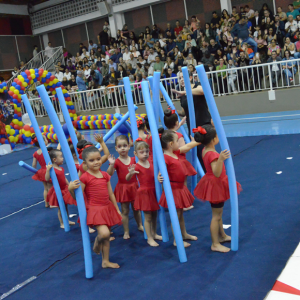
(159, 135)
(200, 130)
(34, 140)
(81, 150)
(139, 122)
(173, 111)
(139, 140)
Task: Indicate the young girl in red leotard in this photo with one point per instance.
(102, 208)
(172, 123)
(125, 191)
(57, 160)
(40, 174)
(213, 186)
(145, 199)
(177, 173)
(74, 155)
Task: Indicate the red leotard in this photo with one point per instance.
(125, 191)
(100, 210)
(146, 198)
(211, 188)
(77, 167)
(189, 169)
(182, 196)
(52, 198)
(148, 140)
(40, 174)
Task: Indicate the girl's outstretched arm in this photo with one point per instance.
(131, 173)
(34, 162)
(47, 175)
(111, 169)
(187, 147)
(73, 185)
(112, 197)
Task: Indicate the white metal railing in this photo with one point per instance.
(52, 60)
(116, 2)
(237, 80)
(35, 63)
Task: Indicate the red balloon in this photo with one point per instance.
(2, 131)
(68, 99)
(27, 72)
(11, 93)
(69, 110)
(48, 80)
(22, 88)
(73, 111)
(15, 96)
(12, 124)
(52, 77)
(19, 114)
(31, 130)
(2, 140)
(62, 87)
(26, 127)
(29, 77)
(16, 127)
(16, 80)
(19, 100)
(42, 70)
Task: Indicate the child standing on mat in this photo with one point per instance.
(213, 186)
(145, 199)
(177, 174)
(172, 123)
(74, 155)
(57, 160)
(40, 174)
(102, 208)
(125, 191)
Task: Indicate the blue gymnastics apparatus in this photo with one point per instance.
(228, 162)
(182, 130)
(27, 167)
(40, 139)
(118, 125)
(154, 83)
(126, 124)
(74, 176)
(191, 107)
(164, 172)
(67, 118)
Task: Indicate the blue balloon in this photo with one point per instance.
(24, 74)
(28, 140)
(18, 87)
(48, 75)
(13, 84)
(15, 115)
(89, 118)
(43, 80)
(123, 129)
(65, 129)
(23, 136)
(36, 70)
(27, 80)
(4, 83)
(66, 95)
(1, 87)
(20, 118)
(16, 132)
(15, 101)
(6, 142)
(35, 79)
(58, 84)
(72, 107)
(18, 104)
(13, 145)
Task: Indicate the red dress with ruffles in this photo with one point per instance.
(51, 196)
(189, 169)
(148, 140)
(77, 167)
(211, 188)
(40, 174)
(182, 196)
(125, 191)
(145, 199)
(100, 210)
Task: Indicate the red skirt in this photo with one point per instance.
(146, 199)
(125, 192)
(40, 174)
(103, 215)
(188, 168)
(214, 189)
(52, 198)
(182, 196)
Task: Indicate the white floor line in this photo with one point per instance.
(21, 210)
(260, 118)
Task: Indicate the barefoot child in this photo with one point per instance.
(171, 122)
(182, 196)
(102, 208)
(40, 174)
(57, 160)
(145, 199)
(125, 191)
(213, 186)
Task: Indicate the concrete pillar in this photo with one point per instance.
(116, 20)
(45, 39)
(226, 4)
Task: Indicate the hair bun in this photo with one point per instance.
(168, 112)
(199, 137)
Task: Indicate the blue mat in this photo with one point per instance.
(33, 244)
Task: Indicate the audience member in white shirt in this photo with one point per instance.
(151, 57)
(59, 75)
(126, 55)
(85, 54)
(68, 74)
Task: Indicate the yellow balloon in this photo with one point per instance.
(15, 121)
(21, 79)
(27, 133)
(16, 92)
(18, 108)
(11, 138)
(55, 80)
(31, 71)
(16, 138)
(12, 88)
(33, 76)
(12, 132)
(53, 92)
(24, 84)
(44, 75)
(7, 126)
(20, 123)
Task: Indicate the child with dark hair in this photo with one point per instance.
(40, 174)
(102, 208)
(57, 160)
(125, 190)
(177, 174)
(213, 186)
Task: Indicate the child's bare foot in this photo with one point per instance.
(188, 208)
(47, 204)
(112, 238)
(71, 223)
(189, 237)
(158, 237)
(141, 228)
(96, 247)
(108, 264)
(220, 248)
(152, 243)
(225, 239)
(62, 226)
(91, 230)
(185, 244)
(126, 236)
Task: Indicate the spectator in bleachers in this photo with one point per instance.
(249, 13)
(162, 55)
(15, 71)
(35, 50)
(297, 45)
(103, 38)
(67, 74)
(261, 43)
(177, 28)
(275, 68)
(158, 66)
(125, 34)
(289, 46)
(97, 78)
(244, 74)
(130, 69)
(190, 60)
(81, 47)
(257, 72)
(291, 27)
(215, 19)
(232, 77)
(222, 77)
(292, 12)
(59, 75)
(126, 55)
(213, 47)
(282, 15)
(273, 47)
(92, 46)
(72, 84)
(49, 50)
(151, 57)
(71, 68)
(180, 44)
(85, 54)
(112, 64)
(169, 64)
(132, 61)
(289, 67)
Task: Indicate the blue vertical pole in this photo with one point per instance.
(134, 129)
(182, 130)
(228, 162)
(40, 139)
(67, 118)
(164, 172)
(154, 83)
(74, 176)
(192, 118)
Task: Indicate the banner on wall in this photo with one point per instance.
(6, 109)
